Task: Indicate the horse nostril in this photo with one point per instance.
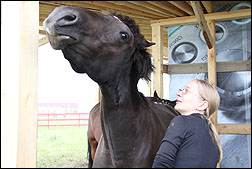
(67, 20)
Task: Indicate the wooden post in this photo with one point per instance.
(157, 53)
(19, 28)
(212, 64)
(202, 23)
(212, 56)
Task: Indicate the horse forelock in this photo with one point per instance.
(141, 56)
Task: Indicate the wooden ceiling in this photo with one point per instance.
(143, 12)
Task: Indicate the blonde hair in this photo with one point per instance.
(210, 94)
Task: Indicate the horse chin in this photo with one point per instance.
(59, 42)
(79, 71)
(76, 68)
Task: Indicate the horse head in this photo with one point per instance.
(99, 45)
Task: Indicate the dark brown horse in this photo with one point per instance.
(111, 50)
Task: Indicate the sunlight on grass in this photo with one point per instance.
(62, 147)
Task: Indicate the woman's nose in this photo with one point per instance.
(179, 93)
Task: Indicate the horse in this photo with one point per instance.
(111, 50)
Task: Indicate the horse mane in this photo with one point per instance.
(141, 57)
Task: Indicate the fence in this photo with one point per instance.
(62, 119)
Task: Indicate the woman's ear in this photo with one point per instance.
(203, 105)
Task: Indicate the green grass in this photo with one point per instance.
(62, 147)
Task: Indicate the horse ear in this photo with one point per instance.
(156, 95)
(147, 44)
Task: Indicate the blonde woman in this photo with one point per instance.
(191, 139)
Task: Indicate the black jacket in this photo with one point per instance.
(187, 144)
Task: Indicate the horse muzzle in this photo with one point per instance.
(58, 28)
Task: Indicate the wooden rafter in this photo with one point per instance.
(183, 6)
(220, 16)
(202, 23)
(141, 8)
(208, 6)
(177, 10)
(163, 5)
(154, 8)
(122, 8)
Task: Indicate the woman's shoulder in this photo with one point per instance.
(179, 118)
(184, 118)
(192, 120)
(193, 116)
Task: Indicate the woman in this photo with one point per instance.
(191, 139)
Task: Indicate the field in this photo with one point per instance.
(62, 147)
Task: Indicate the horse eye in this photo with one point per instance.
(124, 36)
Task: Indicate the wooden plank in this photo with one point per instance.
(41, 30)
(154, 9)
(134, 5)
(234, 128)
(165, 53)
(212, 56)
(219, 16)
(233, 66)
(28, 82)
(215, 3)
(212, 76)
(157, 54)
(208, 6)
(170, 8)
(202, 23)
(164, 5)
(121, 8)
(183, 6)
(185, 68)
(19, 84)
(91, 7)
(43, 41)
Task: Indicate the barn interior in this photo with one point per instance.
(175, 26)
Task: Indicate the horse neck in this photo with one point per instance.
(120, 104)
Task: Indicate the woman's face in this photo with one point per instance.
(188, 100)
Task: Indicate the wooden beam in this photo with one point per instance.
(219, 16)
(19, 84)
(215, 3)
(208, 6)
(165, 6)
(91, 7)
(234, 128)
(233, 66)
(174, 10)
(28, 85)
(121, 8)
(43, 41)
(183, 6)
(212, 76)
(202, 23)
(157, 54)
(135, 5)
(212, 56)
(41, 30)
(165, 52)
